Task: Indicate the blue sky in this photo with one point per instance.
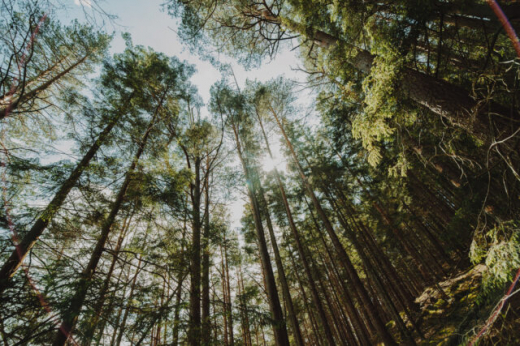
(150, 26)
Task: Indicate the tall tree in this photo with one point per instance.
(229, 104)
(40, 54)
(159, 97)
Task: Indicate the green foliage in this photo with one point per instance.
(59, 55)
(405, 212)
(381, 104)
(499, 248)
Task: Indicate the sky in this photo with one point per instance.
(151, 27)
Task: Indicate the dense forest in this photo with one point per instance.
(392, 217)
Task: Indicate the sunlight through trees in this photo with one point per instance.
(371, 200)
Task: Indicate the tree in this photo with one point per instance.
(228, 103)
(40, 54)
(159, 96)
(252, 31)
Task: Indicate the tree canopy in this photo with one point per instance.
(374, 201)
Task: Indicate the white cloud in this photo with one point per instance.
(87, 3)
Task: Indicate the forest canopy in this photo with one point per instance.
(372, 200)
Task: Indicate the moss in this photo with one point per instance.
(472, 296)
(439, 303)
(447, 331)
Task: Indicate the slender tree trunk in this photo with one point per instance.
(176, 315)
(165, 323)
(109, 308)
(315, 328)
(360, 323)
(71, 316)
(333, 318)
(281, 273)
(129, 305)
(247, 327)
(25, 245)
(194, 331)
(301, 251)
(228, 288)
(224, 296)
(156, 320)
(158, 334)
(215, 324)
(373, 273)
(379, 269)
(91, 327)
(340, 250)
(178, 293)
(120, 311)
(347, 320)
(279, 327)
(206, 323)
(241, 308)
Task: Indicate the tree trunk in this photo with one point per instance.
(155, 339)
(91, 327)
(71, 315)
(206, 325)
(117, 325)
(301, 251)
(194, 331)
(176, 316)
(340, 250)
(224, 296)
(247, 327)
(22, 249)
(128, 306)
(360, 324)
(310, 313)
(109, 308)
(374, 275)
(279, 327)
(228, 288)
(440, 97)
(281, 273)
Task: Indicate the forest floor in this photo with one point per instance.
(454, 316)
